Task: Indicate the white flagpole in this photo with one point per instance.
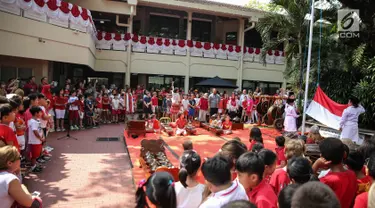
(308, 68)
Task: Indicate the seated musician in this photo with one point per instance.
(181, 125)
(153, 124)
(215, 121)
(227, 125)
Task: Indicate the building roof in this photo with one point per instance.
(226, 5)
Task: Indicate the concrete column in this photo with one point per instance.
(128, 66)
(188, 37)
(240, 42)
(181, 27)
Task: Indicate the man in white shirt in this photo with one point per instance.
(216, 172)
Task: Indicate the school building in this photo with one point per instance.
(134, 42)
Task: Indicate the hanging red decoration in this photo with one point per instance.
(75, 11)
(223, 47)
(40, 3)
(238, 49)
(117, 37)
(190, 43)
(143, 40)
(277, 53)
(135, 38)
(198, 45)
(99, 35)
(159, 41)
(207, 46)
(251, 50)
(283, 53)
(257, 51)
(174, 42)
(108, 36)
(26, 0)
(167, 42)
(151, 41)
(269, 52)
(52, 5)
(64, 7)
(181, 43)
(127, 36)
(84, 14)
(216, 46)
(230, 48)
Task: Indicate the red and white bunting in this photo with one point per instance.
(197, 49)
(180, 48)
(118, 42)
(270, 58)
(151, 46)
(249, 54)
(257, 55)
(279, 57)
(10, 6)
(208, 51)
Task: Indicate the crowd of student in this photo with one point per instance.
(245, 177)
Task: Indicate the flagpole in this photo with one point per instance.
(308, 68)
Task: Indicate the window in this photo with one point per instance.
(166, 27)
(159, 82)
(231, 38)
(248, 85)
(268, 88)
(9, 72)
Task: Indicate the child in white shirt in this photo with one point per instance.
(216, 172)
(73, 111)
(115, 109)
(36, 137)
(188, 190)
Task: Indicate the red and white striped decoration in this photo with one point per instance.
(55, 12)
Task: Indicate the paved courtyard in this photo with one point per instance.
(86, 172)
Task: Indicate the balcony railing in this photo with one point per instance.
(56, 12)
(153, 45)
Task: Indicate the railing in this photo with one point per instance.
(152, 45)
(56, 12)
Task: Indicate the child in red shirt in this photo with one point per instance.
(203, 108)
(343, 182)
(154, 103)
(181, 124)
(250, 170)
(7, 134)
(105, 105)
(280, 178)
(361, 201)
(280, 152)
(154, 124)
(227, 125)
(356, 162)
(269, 160)
(255, 136)
(60, 106)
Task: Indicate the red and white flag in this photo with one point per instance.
(325, 110)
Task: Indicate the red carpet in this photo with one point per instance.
(205, 143)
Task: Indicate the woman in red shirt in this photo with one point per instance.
(60, 105)
(203, 107)
(105, 105)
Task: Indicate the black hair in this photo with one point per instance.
(315, 195)
(41, 96)
(30, 78)
(354, 101)
(189, 165)
(257, 147)
(300, 170)
(355, 161)
(159, 190)
(286, 194)
(80, 96)
(332, 149)
(187, 145)
(268, 156)
(233, 148)
(5, 110)
(371, 166)
(280, 141)
(251, 163)
(4, 100)
(15, 102)
(26, 103)
(33, 97)
(239, 204)
(34, 110)
(41, 80)
(216, 170)
(256, 134)
(367, 147)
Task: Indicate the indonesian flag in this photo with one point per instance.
(325, 110)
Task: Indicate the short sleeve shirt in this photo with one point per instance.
(34, 125)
